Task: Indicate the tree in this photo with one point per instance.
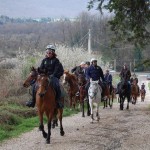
(130, 21)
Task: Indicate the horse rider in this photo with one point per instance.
(87, 65)
(125, 75)
(77, 70)
(143, 87)
(95, 73)
(108, 79)
(55, 71)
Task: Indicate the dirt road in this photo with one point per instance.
(117, 130)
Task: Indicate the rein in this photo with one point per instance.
(46, 89)
(95, 93)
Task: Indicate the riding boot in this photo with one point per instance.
(55, 84)
(138, 91)
(31, 103)
(117, 90)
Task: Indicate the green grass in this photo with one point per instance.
(16, 119)
(149, 85)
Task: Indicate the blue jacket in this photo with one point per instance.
(108, 78)
(95, 72)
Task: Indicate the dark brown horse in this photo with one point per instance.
(83, 94)
(45, 101)
(109, 95)
(72, 82)
(134, 91)
(124, 93)
(142, 93)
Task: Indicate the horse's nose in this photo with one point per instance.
(63, 82)
(41, 95)
(24, 85)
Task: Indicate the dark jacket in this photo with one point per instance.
(108, 78)
(125, 74)
(95, 73)
(53, 66)
(77, 70)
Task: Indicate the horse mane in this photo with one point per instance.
(72, 76)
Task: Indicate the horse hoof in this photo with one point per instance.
(83, 116)
(45, 135)
(62, 133)
(47, 141)
(88, 114)
(121, 108)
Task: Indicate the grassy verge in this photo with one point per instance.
(149, 85)
(16, 119)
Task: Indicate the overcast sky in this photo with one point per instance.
(43, 8)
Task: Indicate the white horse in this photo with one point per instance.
(94, 94)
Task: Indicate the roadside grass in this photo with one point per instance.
(16, 119)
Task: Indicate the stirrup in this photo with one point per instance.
(77, 94)
(30, 103)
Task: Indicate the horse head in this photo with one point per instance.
(42, 83)
(68, 78)
(81, 80)
(93, 89)
(123, 87)
(31, 78)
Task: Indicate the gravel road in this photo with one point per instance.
(116, 130)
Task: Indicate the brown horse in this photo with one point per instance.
(108, 96)
(134, 91)
(45, 101)
(72, 82)
(142, 92)
(83, 94)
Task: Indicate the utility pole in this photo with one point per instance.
(130, 67)
(115, 64)
(89, 42)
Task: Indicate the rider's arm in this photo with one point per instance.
(102, 75)
(73, 69)
(42, 66)
(56, 68)
(88, 75)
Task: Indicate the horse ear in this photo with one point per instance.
(31, 68)
(38, 70)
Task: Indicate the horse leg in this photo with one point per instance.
(91, 107)
(128, 100)
(106, 101)
(112, 99)
(49, 132)
(88, 108)
(104, 104)
(97, 113)
(121, 103)
(83, 109)
(41, 126)
(70, 102)
(54, 119)
(60, 112)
